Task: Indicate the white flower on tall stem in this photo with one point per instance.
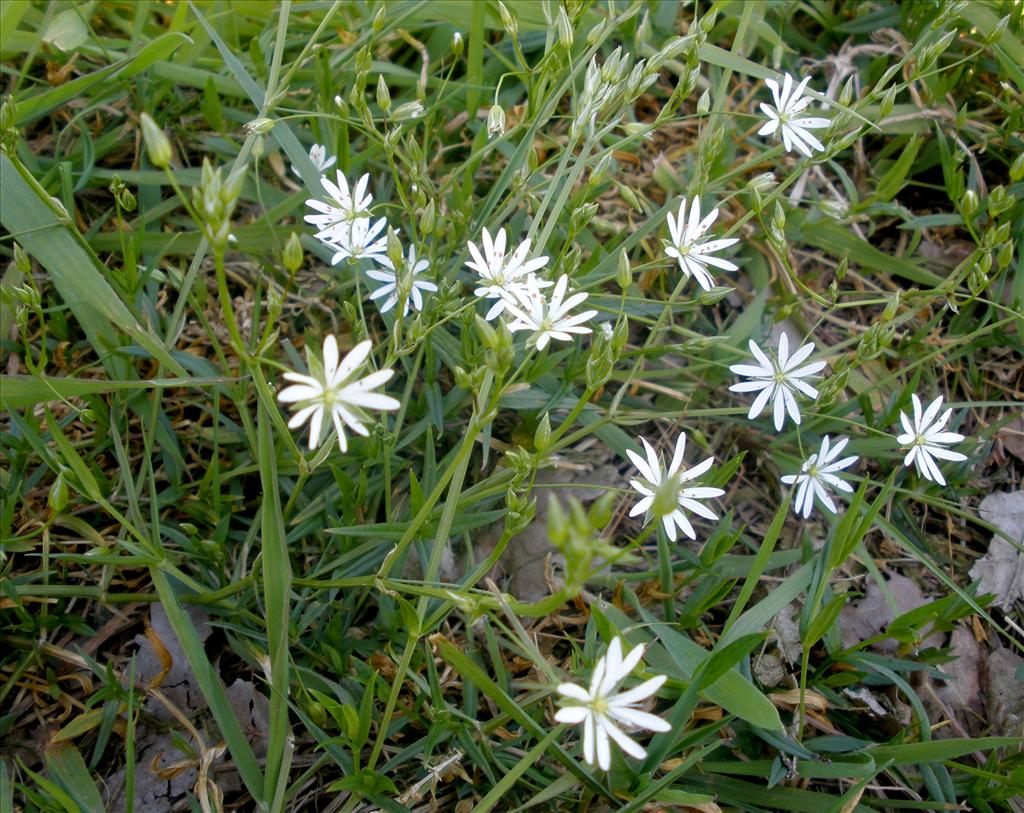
(817, 473)
(693, 253)
(396, 284)
(344, 206)
(318, 156)
(789, 104)
(333, 390)
(664, 491)
(362, 238)
(602, 712)
(546, 318)
(778, 378)
(500, 274)
(927, 440)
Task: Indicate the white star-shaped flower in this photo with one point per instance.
(927, 440)
(362, 237)
(602, 712)
(318, 155)
(344, 206)
(333, 390)
(817, 472)
(394, 283)
(692, 252)
(500, 274)
(664, 491)
(789, 104)
(546, 318)
(779, 378)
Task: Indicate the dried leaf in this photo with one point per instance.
(1001, 570)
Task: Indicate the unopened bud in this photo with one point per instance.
(21, 260)
(383, 94)
(291, 255)
(495, 121)
(887, 103)
(158, 146)
(394, 249)
(507, 20)
(564, 26)
(542, 437)
(458, 44)
(379, 18)
(704, 103)
(624, 275)
(428, 219)
(969, 204)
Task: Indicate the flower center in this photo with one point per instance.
(666, 497)
(600, 705)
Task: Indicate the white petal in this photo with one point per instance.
(571, 714)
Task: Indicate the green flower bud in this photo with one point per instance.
(158, 146)
(1005, 255)
(542, 437)
(887, 103)
(458, 44)
(260, 126)
(379, 18)
(428, 219)
(395, 251)
(704, 103)
(564, 27)
(624, 274)
(581, 216)
(383, 94)
(495, 121)
(1017, 167)
(969, 204)
(507, 20)
(291, 255)
(21, 260)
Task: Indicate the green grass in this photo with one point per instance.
(146, 460)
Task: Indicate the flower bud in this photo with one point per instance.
(495, 121)
(408, 111)
(969, 204)
(458, 44)
(428, 219)
(291, 255)
(624, 275)
(379, 18)
(581, 216)
(21, 260)
(383, 94)
(542, 437)
(887, 103)
(1017, 167)
(564, 26)
(395, 250)
(158, 146)
(1005, 255)
(507, 20)
(704, 103)
(260, 126)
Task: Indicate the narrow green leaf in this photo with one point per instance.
(277, 574)
(65, 765)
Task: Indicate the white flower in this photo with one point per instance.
(360, 238)
(693, 253)
(817, 472)
(664, 492)
(602, 712)
(398, 283)
(779, 379)
(926, 439)
(498, 273)
(789, 104)
(547, 318)
(333, 390)
(318, 155)
(344, 206)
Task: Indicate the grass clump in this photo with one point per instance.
(490, 406)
